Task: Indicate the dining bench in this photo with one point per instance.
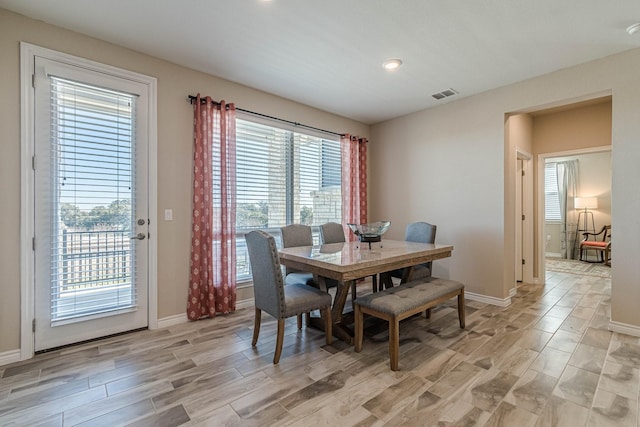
(403, 301)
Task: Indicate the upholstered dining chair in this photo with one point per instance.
(331, 232)
(421, 232)
(297, 235)
(278, 300)
(599, 244)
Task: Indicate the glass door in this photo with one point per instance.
(91, 205)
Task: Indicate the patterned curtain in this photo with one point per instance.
(212, 286)
(354, 181)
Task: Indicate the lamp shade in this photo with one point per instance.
(585, 202)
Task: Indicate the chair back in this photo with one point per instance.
(268, 284)
(331, 232)
(421, 232)
(295, 235)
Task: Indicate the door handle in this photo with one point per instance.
(139, 236)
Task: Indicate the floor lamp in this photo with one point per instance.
(585, 203)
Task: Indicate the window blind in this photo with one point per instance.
(92, 257)
(283, 177)
(551, 196)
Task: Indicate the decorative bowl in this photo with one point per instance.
(371, 232)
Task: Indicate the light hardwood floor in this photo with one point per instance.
(546, 360)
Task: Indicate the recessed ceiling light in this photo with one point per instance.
(391, 64)
(633, 28)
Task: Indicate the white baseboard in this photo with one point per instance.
(505, 302)
(624, 328)
(166, 322)
(177, 319)
(552, 254)
(512, 292)
(10, 356)
(246, 303)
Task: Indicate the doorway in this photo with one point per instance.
(567, 131)
(88, 191)
(563, 223)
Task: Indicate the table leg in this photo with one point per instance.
(385, 281)
(340, 300)
(407, 273)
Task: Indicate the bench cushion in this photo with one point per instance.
(408, 296)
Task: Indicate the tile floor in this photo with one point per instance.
(546, 360)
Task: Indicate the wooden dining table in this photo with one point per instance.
(350, 261)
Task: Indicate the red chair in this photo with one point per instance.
(602, 245)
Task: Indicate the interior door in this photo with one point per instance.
(91, 204)
(519, 221)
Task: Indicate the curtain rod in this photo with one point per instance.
(203, 100)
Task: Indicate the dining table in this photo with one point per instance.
(349, 261)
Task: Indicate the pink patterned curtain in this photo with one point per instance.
(212, 286)
(354, 180)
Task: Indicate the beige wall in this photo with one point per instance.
(174, 152)
(518, 144)
(450, 161)
(577, 128)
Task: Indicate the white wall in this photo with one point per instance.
(446, 165)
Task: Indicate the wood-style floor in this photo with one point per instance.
(546, 360)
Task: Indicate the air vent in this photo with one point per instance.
(444, 94)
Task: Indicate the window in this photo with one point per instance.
(283, 177)
(551, 197)
(92, 139)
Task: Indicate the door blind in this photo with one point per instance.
(92, 164)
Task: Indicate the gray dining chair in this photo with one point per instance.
(278, 300)
(421, 232)
(297, 235)
(331, 232)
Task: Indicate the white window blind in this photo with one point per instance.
(551, 197)
(283, 177)
(92, 135)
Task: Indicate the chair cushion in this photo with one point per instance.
(299, 278)
(300, 299)
(595, 244)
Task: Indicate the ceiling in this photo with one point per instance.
(328, 54)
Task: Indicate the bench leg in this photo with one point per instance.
(461, 308)
(394, 343)
(427, 313)
(359, 326)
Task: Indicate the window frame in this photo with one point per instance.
(289, 164)
(28, 52)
